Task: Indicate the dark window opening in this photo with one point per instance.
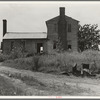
(23, 45)
(54, 45)
(69, 47)
(39, 47)
(69, 27)
(85, 66)
(12, 45)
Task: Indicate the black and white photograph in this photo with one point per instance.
(50, 48)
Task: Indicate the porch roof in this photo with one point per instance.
(25, 35)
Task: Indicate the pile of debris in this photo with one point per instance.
(86, 69)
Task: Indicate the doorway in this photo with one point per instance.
(39, 47)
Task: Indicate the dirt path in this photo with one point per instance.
(48, 84)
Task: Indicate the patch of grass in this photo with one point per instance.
(51, 88)
(7, 89)
(29, 80)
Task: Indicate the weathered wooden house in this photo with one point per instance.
(61, 28)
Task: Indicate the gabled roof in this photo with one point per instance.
(57, 18)
(25, 35)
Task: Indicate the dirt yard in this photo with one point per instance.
(42, 84)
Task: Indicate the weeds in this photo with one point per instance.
(56, 62)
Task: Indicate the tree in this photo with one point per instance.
(88, 37)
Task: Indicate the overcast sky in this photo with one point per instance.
(31, 16)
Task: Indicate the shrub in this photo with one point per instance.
(92, 55)
(3, 57)
(20, 63)
(16, 53)
(13, 55)
(30, 63)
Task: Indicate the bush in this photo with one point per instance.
(92, 55)
(3, 57)
(21, 63)
(30, 63)
(13, 55)
(17, 53)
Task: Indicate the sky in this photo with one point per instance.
(31, 16)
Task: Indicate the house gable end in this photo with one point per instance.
(55, 19)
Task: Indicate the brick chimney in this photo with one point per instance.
(62, 31)
(4, 26)
(62, 11)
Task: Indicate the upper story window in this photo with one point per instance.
(69, 27)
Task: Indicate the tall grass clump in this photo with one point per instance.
(28, 63)
(56, 62)
(14, 54)
(20, 63)
(64, 61)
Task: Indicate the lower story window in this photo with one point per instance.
(12, 45)
(39, 47)
(69, 47)
(55, 45)
(23, 45)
